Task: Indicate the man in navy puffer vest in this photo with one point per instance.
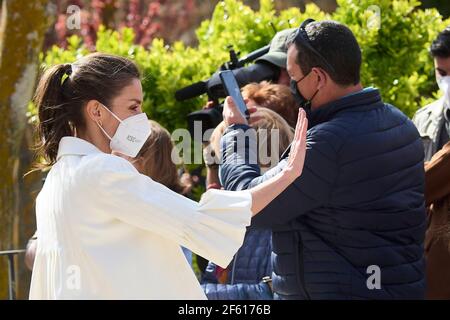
(352, 226)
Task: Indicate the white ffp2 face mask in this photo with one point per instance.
(444, 85)
(131, 134)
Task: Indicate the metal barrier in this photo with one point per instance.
(11, 272)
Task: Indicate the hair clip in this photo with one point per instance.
(69, 69)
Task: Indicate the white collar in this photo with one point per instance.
(75, 146)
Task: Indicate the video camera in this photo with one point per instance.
(213, 87)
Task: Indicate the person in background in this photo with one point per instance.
(276, 56)
(248, 275)
(275, 97)
(433, 123)
(277, 110)
(433, 120)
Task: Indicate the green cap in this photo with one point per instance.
(277, 54)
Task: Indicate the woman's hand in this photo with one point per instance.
(297, 153)
(265, 192)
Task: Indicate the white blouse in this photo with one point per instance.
(104, 231)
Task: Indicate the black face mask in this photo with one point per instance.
(299, 98)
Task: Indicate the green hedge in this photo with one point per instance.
(395, 56)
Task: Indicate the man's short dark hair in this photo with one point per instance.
(337, 45)
(441, 45)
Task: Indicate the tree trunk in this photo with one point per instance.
(22, 30)
(25, 220)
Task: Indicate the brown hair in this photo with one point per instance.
(156, 157)
(275, 97)
(268, 120)
(64, 90)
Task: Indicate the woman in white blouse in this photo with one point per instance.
(105, 231)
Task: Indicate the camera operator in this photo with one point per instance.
(276, 57)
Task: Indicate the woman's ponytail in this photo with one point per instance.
(54, 118)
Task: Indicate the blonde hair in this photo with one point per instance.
(156, 157)
(268, 120)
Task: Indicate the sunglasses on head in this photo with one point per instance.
(301, 38)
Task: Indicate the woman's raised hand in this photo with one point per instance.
(297, 153)
(268, 190)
